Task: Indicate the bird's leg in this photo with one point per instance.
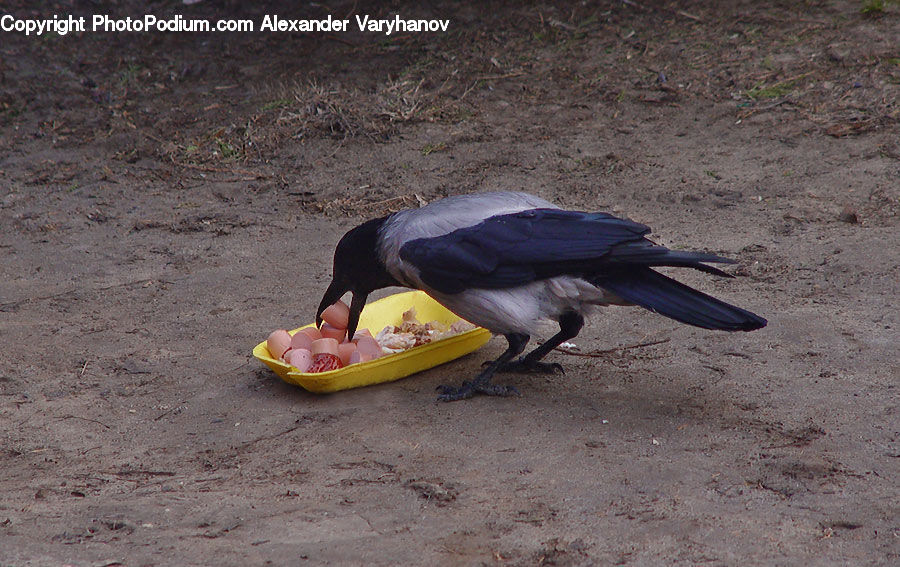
(570, 324)
(482, 383)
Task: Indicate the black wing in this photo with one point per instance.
(512, 250)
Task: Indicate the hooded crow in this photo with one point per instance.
(512, 262)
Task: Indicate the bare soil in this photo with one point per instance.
(168, 199)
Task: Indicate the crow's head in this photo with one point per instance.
(357, 269)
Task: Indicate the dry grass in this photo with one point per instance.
(366, 205)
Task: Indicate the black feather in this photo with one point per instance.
(663, 295)
(512, 250)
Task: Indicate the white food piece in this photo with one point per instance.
(411, 333)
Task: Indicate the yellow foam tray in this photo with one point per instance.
(375, 316)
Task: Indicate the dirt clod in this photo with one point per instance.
(848, 215)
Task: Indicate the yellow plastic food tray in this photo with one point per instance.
(375, 316)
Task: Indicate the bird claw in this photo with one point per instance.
(468, 389)
(523, 366)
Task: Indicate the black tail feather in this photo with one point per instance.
(640, 254)
(663, 295)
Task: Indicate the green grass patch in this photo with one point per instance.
(876, 7)
(130, 73)
(227, 150)
(431, 148)
(771, 91)
(280, 103)
(873, 7)
(10, 110)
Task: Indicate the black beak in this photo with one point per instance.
(356, 307)
(334, 292)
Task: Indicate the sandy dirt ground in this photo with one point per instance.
(168, 199)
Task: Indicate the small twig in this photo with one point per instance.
(634, 5)
(468, 90)
(63, 293)
(208, 168)
(136, 472)
(84, 419)
(750, 112)
(41, 298)
(386, 201)
(269, 437)
(689, 16)
(503, 76)
(165, 413)
(489, 78)
(601, 353)
(155, 138)
(670, 10)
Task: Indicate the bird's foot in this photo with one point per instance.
(525, 366)
(469, 389)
